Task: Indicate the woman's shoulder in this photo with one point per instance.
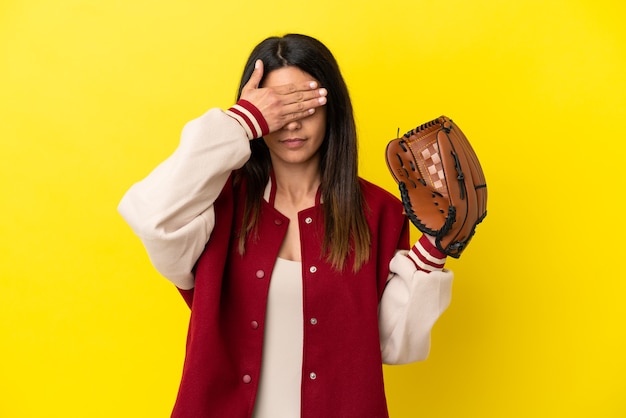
(377, 196)
(386, 217)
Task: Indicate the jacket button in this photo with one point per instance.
(278, 221)
(246, 378)
(313, 269)
(260, 274)
(308, 220)
(254, 325)
(313, 321)
(312, 376)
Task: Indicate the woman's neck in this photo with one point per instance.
(297, 184)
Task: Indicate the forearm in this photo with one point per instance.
(171, 210)
(418, 292)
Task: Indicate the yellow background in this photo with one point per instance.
(94, 94)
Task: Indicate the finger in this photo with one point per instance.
(301, 108)
(304, 96)
(295, 88)
(255, 78)
(296, 116)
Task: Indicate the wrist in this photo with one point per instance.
(426, 256)
(250, 118)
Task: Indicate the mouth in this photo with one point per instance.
(293, 142)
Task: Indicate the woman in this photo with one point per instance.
(298, 273)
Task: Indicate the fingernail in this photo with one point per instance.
(322, 100)
(323, 92)
(257, 64)
(313, 84)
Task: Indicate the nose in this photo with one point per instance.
(293, 126)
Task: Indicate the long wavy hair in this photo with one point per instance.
(345, 225)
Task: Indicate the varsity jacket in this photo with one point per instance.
(187, 213)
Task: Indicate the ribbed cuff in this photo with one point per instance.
(250, 118)
(426, 256)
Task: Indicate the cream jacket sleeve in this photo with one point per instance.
(411, 304)
(171, 210)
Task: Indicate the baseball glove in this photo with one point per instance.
(441, 183)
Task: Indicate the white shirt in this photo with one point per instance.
(281, 368)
